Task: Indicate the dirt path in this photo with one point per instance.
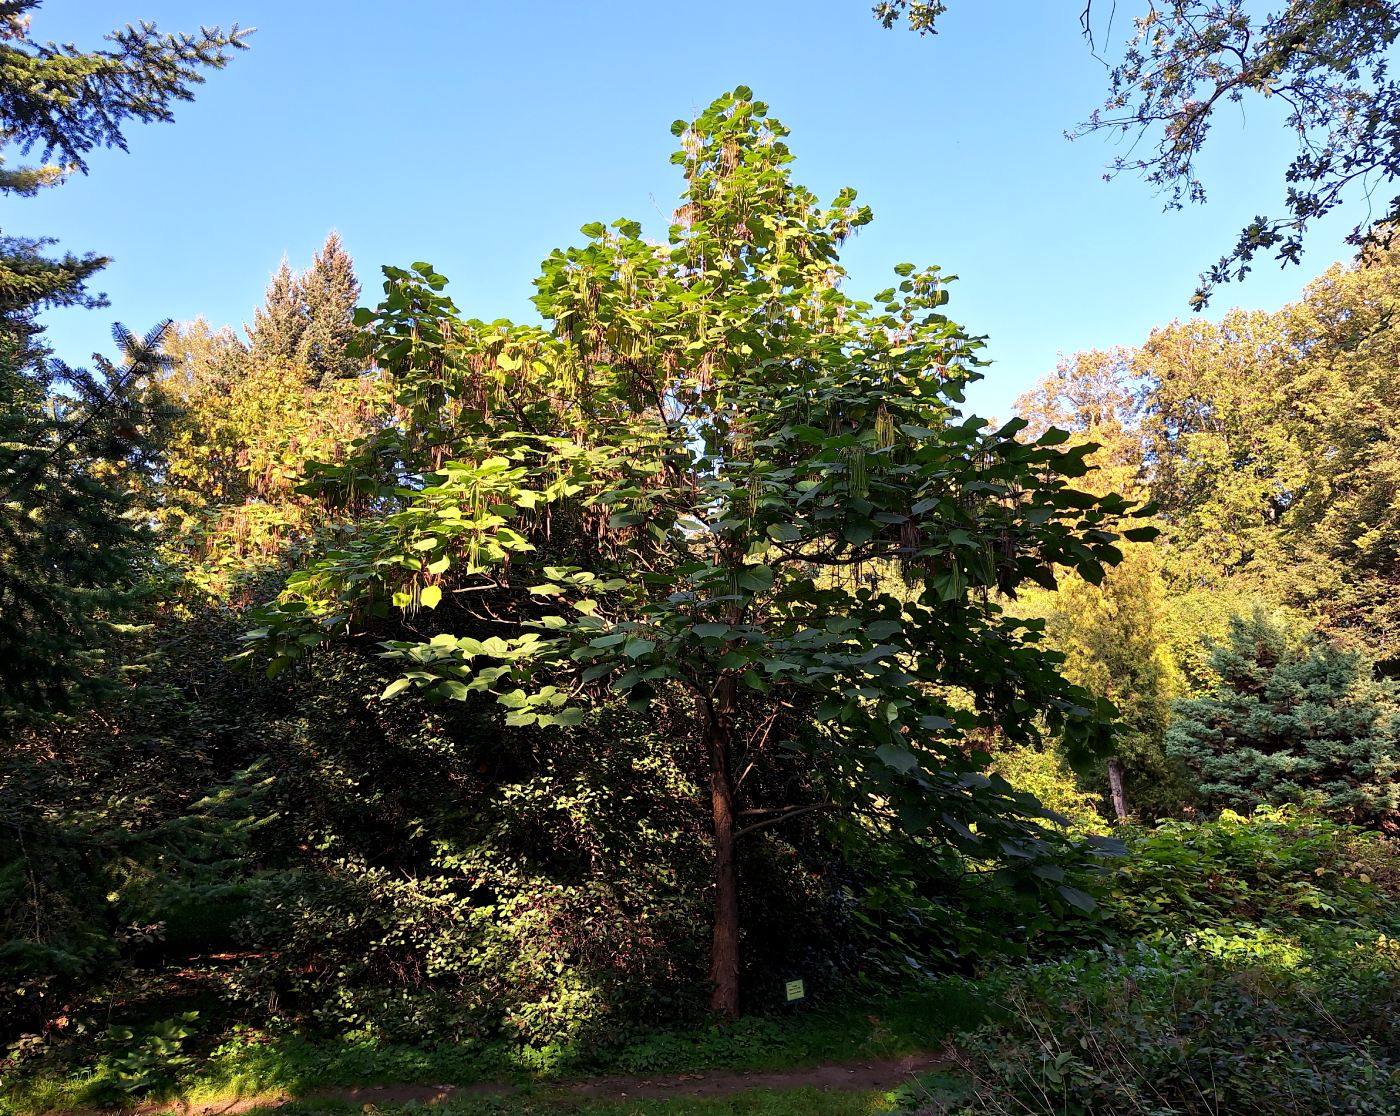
(887, 1073)
(867, 1074)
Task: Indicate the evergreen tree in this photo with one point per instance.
(75, 446)
(279, 324)
(65, 102)
(331, 293)
(1292, 719)
(76, 451)
(306, 320)
(1112, 637)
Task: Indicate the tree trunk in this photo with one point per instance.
(1115, 789)
(724, 948)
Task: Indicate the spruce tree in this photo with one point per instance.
(64, 102)
(331, 292)
(279, 324)
(77, 450)
(1292, 719)
(75, 446)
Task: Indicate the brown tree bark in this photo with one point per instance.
(718, 717)
(1115, 789)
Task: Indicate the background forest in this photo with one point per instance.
(392, 695)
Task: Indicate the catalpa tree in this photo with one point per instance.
(697, 484)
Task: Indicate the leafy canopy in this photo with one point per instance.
(735, 439)
(688, 485)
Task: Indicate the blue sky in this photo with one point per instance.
(479, 136)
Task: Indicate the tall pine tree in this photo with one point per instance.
(73, 444)
(306, 320)
(331, 292)
(280, 322)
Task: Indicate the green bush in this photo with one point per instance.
(1199, 1025)
(454, 879)
(1247, 964)
(1274, 868)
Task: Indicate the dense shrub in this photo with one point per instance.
(451, 878)
(1197, 1026)
(1274, 868)
(1246, 964)
(130, 831)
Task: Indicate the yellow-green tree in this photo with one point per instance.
(1275, 452)
(1113, 637)
(1112, 631)
(246, 427)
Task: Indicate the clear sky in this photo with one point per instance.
(479, 136)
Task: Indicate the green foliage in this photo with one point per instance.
(666, 497)
(1268, 442)
(1271, 868)
(77, 449)
(1111, 629)
(1111, 635)
(67, 102)
(75, 446)
(456, 879)
(1275, 451)
(1044, 774)
(280, 321)
(1198, 621)
(1292, 721)
(155, 1058)
(587, 637)
(551, 903)
(327, 346)
(250, 420)
(141, 840)
(1225, 1023)
(1253, 966)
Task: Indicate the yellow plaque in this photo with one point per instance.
(796, 990)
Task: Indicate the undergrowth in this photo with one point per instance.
(1245, 964)
(252, 1062)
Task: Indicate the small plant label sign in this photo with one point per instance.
(795, 990)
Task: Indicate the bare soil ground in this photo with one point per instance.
(867, 1074)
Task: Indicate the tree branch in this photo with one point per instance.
(787, 812)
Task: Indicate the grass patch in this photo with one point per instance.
(249, 1063)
